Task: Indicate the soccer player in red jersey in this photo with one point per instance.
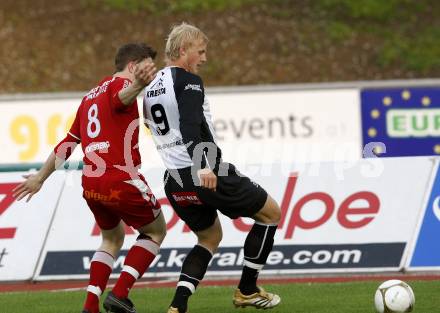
(107, 126)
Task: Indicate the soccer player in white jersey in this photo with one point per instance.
(197, 181)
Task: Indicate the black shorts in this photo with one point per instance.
(236, 196)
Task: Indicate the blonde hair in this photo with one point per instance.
(182, 36)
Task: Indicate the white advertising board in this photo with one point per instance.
(282, 126)
(24, 226)
(356, 216)
(32, 128)
(258, 127)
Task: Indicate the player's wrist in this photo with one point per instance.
(39, 178)
(138, 85)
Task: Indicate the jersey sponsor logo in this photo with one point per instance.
(97, 146)
(158, 84)
(193, 87)
(170, 145)
(95, 92)
(156, 92)
(186, 198)
(114, 195)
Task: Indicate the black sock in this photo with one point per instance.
(181, 298)
(193, 269)
(258, 245)
(248, 281)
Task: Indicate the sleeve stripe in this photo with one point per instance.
(74, 136)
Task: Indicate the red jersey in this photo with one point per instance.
(107, 129)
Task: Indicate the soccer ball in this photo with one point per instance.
(394, 296)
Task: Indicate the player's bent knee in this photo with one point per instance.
(270, 213)
(211, 237)
(213, 240)
(156, 230)
(210, 240)
(157, 236)
(217, 238)
(209, 245)
(112, 245)
(156, 233)
(115, 240)
(275, 215)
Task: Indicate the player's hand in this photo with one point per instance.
(207, 179)
(145, 72)
(29, 187)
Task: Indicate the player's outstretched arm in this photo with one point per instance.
(33, 182)
(59, 155)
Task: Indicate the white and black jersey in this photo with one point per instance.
(177, 113)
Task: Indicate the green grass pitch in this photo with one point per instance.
(352, 297)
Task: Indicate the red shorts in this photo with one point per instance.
(116, 196)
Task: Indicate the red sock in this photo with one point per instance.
(100, 270)
(137, 261)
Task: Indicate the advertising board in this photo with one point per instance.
(335, 217)
(405, 120)
(258, 127)
(24, 226)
